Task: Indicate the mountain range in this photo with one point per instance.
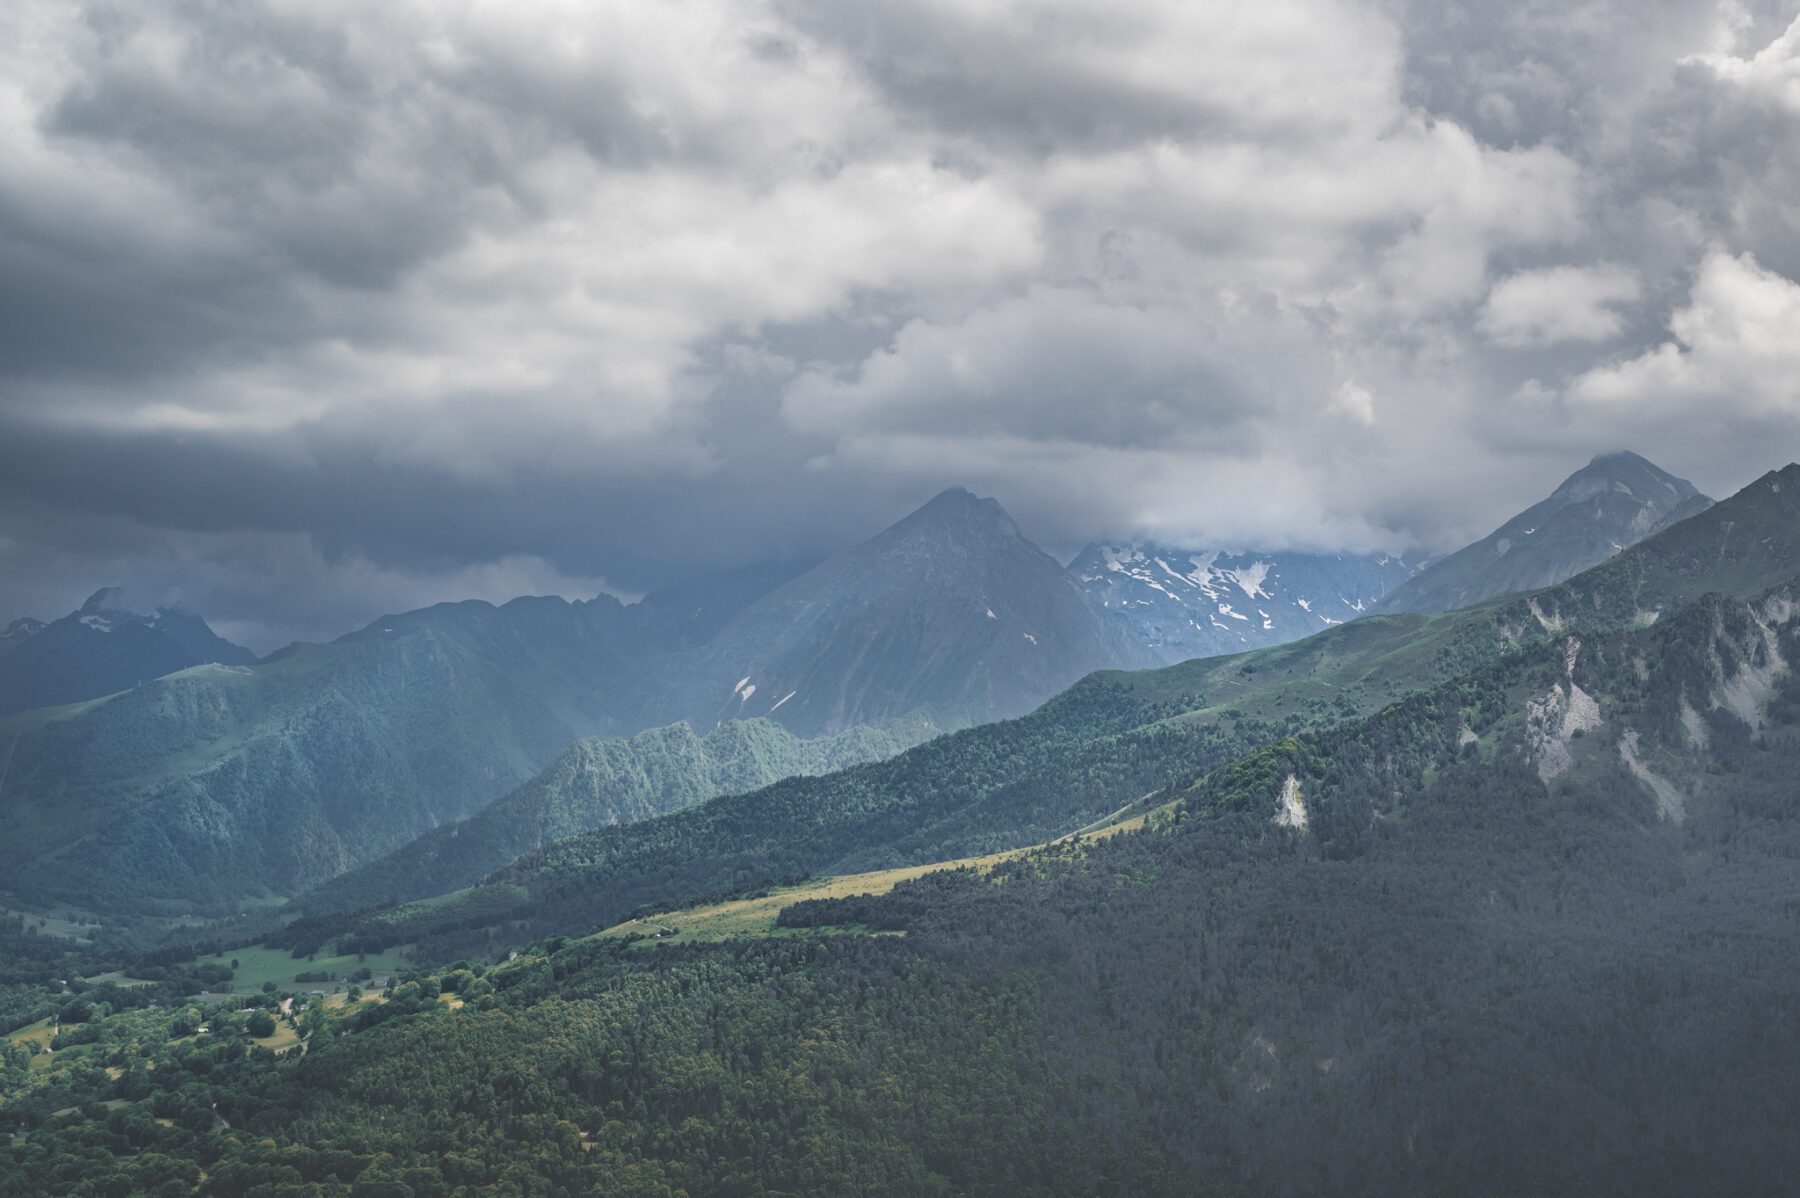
(1491, 901)
(599, 782)
(221, 785)
(233, 783)
(1097, 747)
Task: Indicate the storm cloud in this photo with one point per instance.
(313, 311)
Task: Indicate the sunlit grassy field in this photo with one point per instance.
(755, 917)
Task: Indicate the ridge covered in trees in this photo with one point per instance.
(1491, 958)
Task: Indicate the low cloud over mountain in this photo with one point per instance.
(386, 305)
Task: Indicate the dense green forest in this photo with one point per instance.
(1488, 956)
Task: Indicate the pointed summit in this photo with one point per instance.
(957, 507)
(952, 496)
(1629, 473)
(952, 609)
(109, 599)
(1608, 505)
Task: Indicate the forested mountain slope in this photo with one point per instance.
(219, 784)
(103, 647)
(1464, 945)
(1102, 744)
(599, 782)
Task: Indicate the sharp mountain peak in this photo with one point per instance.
(1613, 502)
(959, 503)
(1627, 471)
(112, 599)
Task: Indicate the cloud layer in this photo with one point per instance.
(404, 302)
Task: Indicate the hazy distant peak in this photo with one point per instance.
(1611, 503)
(111, 599)
(110, 643)
(964, 502)
(1627, 472)
(1788, 474)
(955, 513)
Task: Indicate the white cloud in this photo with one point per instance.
(1733, 353)
(1055, 364)
(548, 206)
(1354, 400)
(1558, 305)
(1262, 272)
(1772, 73)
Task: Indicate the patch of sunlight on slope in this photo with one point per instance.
(751, 918)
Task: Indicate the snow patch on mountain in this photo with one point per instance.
(1185, 603)
(1250, 579)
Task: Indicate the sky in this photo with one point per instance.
(311, 311)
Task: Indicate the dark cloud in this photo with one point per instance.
(307, 313)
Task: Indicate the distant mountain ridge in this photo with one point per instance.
(18, 632)
(1607, 506)
(221, 783)
(1183, 603)
(103, 647)
(1106, 741)
(215, 784)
